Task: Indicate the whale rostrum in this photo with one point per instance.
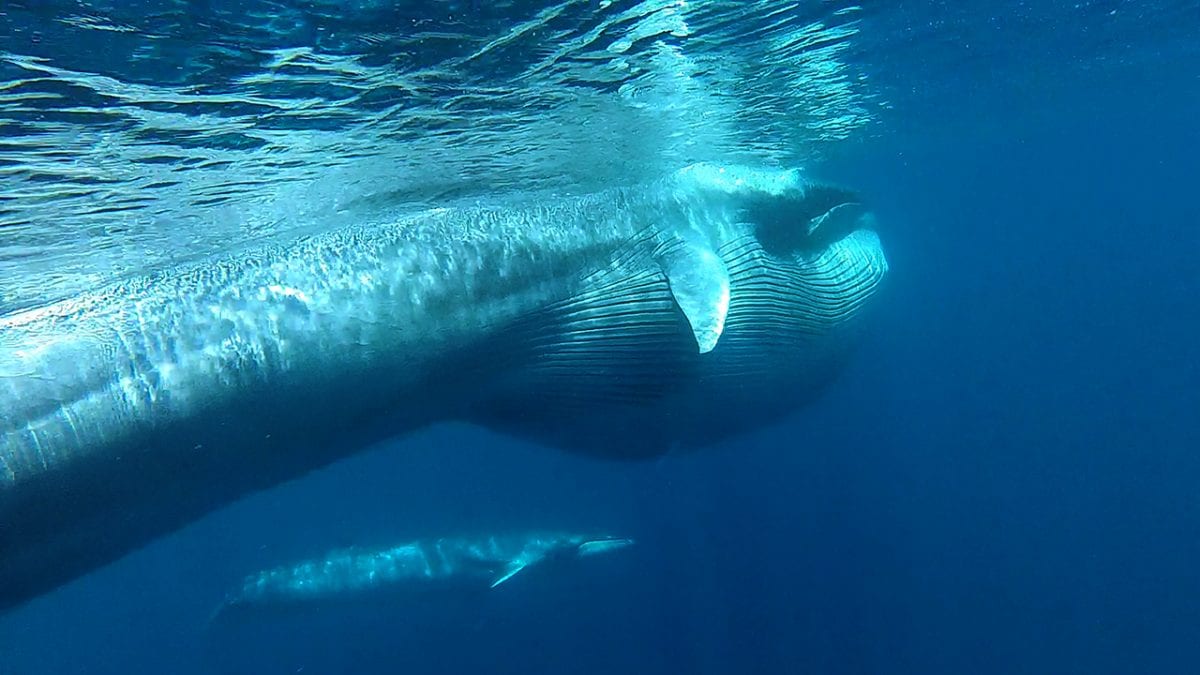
(622, 324)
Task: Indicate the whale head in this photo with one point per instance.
(601, 545)
(741, 304)
(568, 545)
(555, 549)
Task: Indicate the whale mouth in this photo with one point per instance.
(597, 546)
(805, 221)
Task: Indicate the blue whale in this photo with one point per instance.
(429, 567)
(624, 324)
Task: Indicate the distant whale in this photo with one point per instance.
(421, 567)
(620, 324)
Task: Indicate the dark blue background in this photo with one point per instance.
(1007, 479)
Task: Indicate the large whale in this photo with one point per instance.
(624, 323)
(435, 566)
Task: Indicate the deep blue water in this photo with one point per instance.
(1006, 479)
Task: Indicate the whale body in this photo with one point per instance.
(446, 565)
(623, 324)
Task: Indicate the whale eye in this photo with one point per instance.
(803, 221)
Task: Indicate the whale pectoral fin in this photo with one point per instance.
(699, 283)
(509, 572)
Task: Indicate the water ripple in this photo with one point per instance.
(133, 134)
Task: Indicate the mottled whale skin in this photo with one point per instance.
(446, 565)
(620, 324)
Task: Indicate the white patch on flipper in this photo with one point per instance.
(699, 282)
(509, 572)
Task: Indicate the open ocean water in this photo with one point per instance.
(1005, 480)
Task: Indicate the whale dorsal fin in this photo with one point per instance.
(509, 572)
(699, 282)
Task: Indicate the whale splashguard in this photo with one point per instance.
(618, 324)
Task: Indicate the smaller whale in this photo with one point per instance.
(439, 565)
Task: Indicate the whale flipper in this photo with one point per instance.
(509, 572)
(699, 282)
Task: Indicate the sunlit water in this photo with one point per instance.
(136, 133)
